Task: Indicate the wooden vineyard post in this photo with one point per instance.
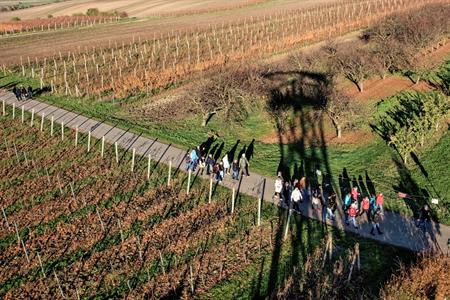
(59, 184)
(89, 141)
(42, 122)
(148, 166)
(357, 255)
(17, 233)
(103, 146)
(72, 191)
(233, 195)
(40, 263)
(51, 125)
(189, 182)
(286, 231)
(25, 250)
(210, 190)
(13, 111)
(32, 118)
(170, 173)
(354, 257)
(116, 149)
(59, 285)
(62, 131)
(3, 107)
(23, 114)
(192, 279)
(132, 159)
(6, 219)
(121, 231)
(259, 211)
(76, 135)
(100, 218)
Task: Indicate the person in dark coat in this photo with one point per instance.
(376, 219)
(30, 92)
(23, 93)
(209, 164)
(16, 92)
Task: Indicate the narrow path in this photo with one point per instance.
(398, 230)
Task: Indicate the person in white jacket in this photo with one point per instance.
(278, 188)
(296, 198)
(226, 164)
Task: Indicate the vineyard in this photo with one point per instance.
(79, 225)
(146, 66)
(56, 23)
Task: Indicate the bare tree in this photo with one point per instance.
(353, 62)
(227, 93)
(338, 107)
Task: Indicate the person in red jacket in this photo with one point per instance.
(355, 194)
(380, 201)
(365, 208)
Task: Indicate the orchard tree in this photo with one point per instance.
(339, 108)
(353, 62)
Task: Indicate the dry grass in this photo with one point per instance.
(429, 278)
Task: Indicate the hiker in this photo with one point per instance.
(296, 198)
(201, 164)
(23, 93)
(287, 191)
(331, 206)
(316, 200)
(216, 172)
(188, 162)
(194, 159)
(30, 92)
(373, 203)
(209, 164)
(243, 165)
(226, 164)
(278, 188)
(376, 219)
(424, 218)
(16, 92)
(355, 193)
(346, 206)
(352, 213)
(380, 201)
(365, 208)
(235, 170)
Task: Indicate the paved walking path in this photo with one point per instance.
(398, 229)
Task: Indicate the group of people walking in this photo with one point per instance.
(23, 94)
(219, 168)
(323, 201)
(356, 205)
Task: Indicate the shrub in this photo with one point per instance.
(15, 19)
(428, 279)
(92, 12)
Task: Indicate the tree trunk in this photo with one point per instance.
(417, 80)
(360, 86)
(206, 117)
(337, 127)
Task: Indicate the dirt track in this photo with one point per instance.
(49, 43)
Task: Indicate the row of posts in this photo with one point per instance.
(116, 150)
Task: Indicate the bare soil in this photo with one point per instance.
(134, 8)
(48, 43)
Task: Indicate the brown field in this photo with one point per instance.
(135, 8)
(42, 44)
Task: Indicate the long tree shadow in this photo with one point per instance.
(299, 99)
